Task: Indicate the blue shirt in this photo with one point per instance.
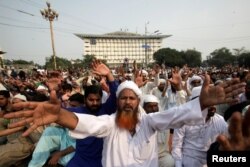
(88, 151)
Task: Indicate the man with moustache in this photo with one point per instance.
(160, 93)
(151, 105)
(191, 142)
(129, 134)
(88, 151)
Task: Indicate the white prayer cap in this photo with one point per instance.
(129, 74)
(195, 77)
(128, 85)
(21, 97)
(150, 99)
(218, 82)
(196, 91)
(144, 72)
(41, 87)
(2, 87)
(162, 81)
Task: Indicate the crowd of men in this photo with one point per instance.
(111, 117)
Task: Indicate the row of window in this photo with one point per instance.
(120, 40)
(123, 47)
(120, 50)
(124, 42)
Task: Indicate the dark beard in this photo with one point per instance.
(127, 119)
(160, 89)
(211, 114)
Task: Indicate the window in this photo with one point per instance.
(92, 41)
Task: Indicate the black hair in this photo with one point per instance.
(66, 86)
(39, 97)
(77, 97)
(5, 93)
(93, 89)
(22, 75)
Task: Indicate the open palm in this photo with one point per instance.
(37, 113)
(222, 93)
(99, 68)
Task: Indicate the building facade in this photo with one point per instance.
(122, 47)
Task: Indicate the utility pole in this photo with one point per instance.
(146, 45)
(50, 14)
(1, 58)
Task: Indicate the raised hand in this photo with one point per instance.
(239, 130)
(37, 113)
(54, 81)
(139, 80)
(219, 94)
(156, 69)
(99, 68)
(176, 80)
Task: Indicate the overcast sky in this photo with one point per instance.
(205, 25)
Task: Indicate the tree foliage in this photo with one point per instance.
(22, 62)
(192, 57)
(244, 59)
(221, 57)
(87, 61)
(172, 57)
(61, 63)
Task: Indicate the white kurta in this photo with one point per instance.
(123, 150)
(190, 143)
(150, 85)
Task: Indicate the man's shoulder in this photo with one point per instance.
(80, 109)
(218, 117)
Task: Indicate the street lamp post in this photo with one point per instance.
(50, 14)
(1, 59)
(146, 43)
(146, 55)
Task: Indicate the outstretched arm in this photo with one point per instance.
(42, 113)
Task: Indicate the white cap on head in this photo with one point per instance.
(196, 91)
(195, 77)
(41, 87)
(19, 96)
(2, 87)
(144, 72)
(162, 81)
(128, 85)
(150, 99)
(218, 82)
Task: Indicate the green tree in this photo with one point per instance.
(237, 53)
(87, 60)
(168, 56)
(61, 63)
(22, 62)
(221, 57)
(78, 63)
(244, 59)
(192, 57)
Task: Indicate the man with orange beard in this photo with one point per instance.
(129, 134)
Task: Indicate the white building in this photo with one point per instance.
(117, 47)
